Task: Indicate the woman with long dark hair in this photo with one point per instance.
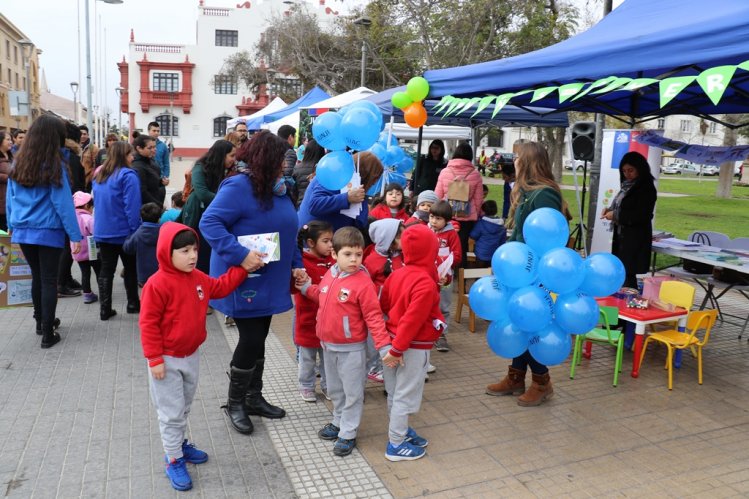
(253, 202)
(116, 190)
(41, 215)
(206, 176)
(631, 213)
(6, 158)
(304, 172)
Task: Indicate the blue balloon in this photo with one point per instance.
(515, 264)
(366, 104)
(506, 340)
(550, 346)
(603, 274)
(488, 299)
(398, 178)
(376, 188)
(560, 270)
(334, 170)
(545, 229)
(531, 308)
(383, 139)
(394, 154)
(405, 165)
(360, 129)
(327, 131)
(378, 150)
(575, 313)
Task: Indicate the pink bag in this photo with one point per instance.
(651, 287)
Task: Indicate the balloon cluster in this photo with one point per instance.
(394, 159)
(410, 101)
(517, 299)
(356, 127)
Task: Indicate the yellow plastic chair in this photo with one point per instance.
(677, 293)
(675, 340)
(602, 335)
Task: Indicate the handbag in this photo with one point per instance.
(698, 267)
(458, 194)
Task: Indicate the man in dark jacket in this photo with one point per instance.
(288, 133)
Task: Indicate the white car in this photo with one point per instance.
(699, 169)
(579, 164)
(672, 169)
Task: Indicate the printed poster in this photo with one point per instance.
(15, 275)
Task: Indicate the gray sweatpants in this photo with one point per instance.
(346, 377)
(374, 361)
(446, 302)
(405, 387)
(307, 361)
(172, 398)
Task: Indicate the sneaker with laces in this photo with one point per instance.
(344, 447)
(192, 454)
(66, 292)
(329, 432)
(308, 395)
(431, 369)
(90, 298)
(375, 376)
(404, 452)
(178, 475)
(415, 439)
(441, 344)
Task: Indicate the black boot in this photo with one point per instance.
(55, 325)
(105, 299)
(49, 337)
(255, 404)
(239, 379)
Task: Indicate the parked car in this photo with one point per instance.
(704, 170)
(579, 164)
(672, 169)
(498, 160)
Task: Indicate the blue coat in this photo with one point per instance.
(489, 235)
(323, 204)
(236, 212)
(162, 157)
(42, 214)
(142, 244)
(117, 205)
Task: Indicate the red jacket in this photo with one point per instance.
(383, 211)
(411, 297)
(449, 242)
(306, 309)
(348, 306)
(174, 303)
(375, 265)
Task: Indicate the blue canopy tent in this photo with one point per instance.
(313, 96)
(645, 59)
(510, 115)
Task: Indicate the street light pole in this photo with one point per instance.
(27, 46)
(363, 22)
(74, 88)
(119, 91)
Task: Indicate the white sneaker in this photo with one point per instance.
(431, 369)
(325, 394)
(308, 395)
(375, 377)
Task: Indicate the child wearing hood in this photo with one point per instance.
(172, 328)
(440, 215)
(410, 299)
(489, 234)
(142, 242)
(423, 203)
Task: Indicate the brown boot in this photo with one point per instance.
(539, 391)
(512, 384)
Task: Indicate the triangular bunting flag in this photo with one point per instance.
(614, 85)
(540, 93)
(638, 83)
(744, 65)
(569, 90)
(671, 87)
(442, 103)
(468, 105)
(596, 84)
(502, 100)
(714, 81)
(483, 104)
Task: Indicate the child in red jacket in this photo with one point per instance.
(391, 205)
(318, 238)
(423, 203)
(411, 301)
(439, 221)
(348, 307)
(172, 328)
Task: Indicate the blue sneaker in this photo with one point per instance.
(193, 455)
(404, 452)
(329, 432)
(177, 473)
(413, 438)
(344, 447)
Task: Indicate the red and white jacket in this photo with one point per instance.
(449, 242)
(306, 309)
(383, 211)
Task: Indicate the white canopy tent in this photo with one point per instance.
(431, 132)
(343, 99)
(275, 105)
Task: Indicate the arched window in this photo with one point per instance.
(166, 121)
(219, 125)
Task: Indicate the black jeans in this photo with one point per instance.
(525, 359)
(204, 254)
(466, 226)
(251, 344)
(44, 262)
(86, 267)
(108, 253)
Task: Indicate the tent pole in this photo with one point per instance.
(417, 168)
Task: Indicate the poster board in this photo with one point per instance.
(15, 275)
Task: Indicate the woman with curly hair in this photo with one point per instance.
(253, 202)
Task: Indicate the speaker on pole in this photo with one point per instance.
(583, 140)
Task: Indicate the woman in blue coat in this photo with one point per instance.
(117, 200)
(253, 202)
(40, 212)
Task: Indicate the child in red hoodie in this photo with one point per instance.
(172, 328)
(391, 205)
(410, 299)
(439, 221)
(318, 238)
(348, 307)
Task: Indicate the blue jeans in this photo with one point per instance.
(524, 360)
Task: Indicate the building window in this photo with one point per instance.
(15, 55)
(18, 87)
(7, 52)
(712, 127)
(165, 82)
(165, 122)
(224, 84)
(686, 126)
(219, 126)
(9, 80)
(495, 138)
(661, 124)
(227, 38)
(286, 87)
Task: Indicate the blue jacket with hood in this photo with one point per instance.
(323, 204)
(142, 244)
(117, 206)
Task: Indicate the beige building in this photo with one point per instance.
(13, 74)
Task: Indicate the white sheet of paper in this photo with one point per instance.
(355, 208)
(444, 268)
(263, 243)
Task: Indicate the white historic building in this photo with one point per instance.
(178, 85)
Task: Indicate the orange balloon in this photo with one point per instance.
(415, 115)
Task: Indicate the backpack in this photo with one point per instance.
(458, 195)
(187, 189)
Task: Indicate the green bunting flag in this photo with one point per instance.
(671, 87)
(446, 100)
(714, 81)
(638, 83)
(569, 90)
(483, 104)
(540, 93)
(596, 84)
(501, 102)
(613, 85)
(471, 102)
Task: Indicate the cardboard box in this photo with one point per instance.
(15, 275)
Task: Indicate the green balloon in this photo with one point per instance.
(417, 88)
(401, 100)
